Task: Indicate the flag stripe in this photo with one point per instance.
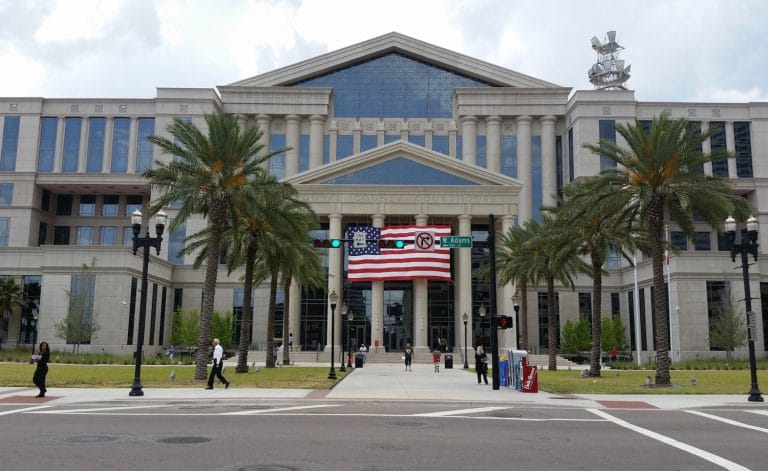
(372, 263)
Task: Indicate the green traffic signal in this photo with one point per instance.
(399, 244)
(335, 243)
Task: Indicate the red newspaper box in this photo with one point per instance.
(530, 379)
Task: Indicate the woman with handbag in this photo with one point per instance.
(41, 370)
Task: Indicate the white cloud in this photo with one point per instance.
(716, 94)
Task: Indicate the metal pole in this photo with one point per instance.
(349, 344)
(136, 389)
(332, 372)
(492, 301)
(754, 391)
(342, 363)
(466, 365)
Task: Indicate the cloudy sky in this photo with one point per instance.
(680, 50)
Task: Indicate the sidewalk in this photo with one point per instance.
(385, 382)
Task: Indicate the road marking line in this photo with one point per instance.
(711, 457)
(26, 409)
(459, 412)
(97, 409)
(728, 421)
(761, 412)
(279, 409)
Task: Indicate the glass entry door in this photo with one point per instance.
(398, 317)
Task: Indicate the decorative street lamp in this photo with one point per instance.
(333, 298)
(516, 304)
(350, 318)
(146, 242)
(35, 316)
(465, 318)
(343, 312)
(748, 246)
(482, 311)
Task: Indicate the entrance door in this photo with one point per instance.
(438, 333)
(398, 317)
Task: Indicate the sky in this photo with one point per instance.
(679, 50)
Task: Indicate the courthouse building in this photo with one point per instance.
(391, 131)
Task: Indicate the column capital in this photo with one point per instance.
(377, 220)
(317, 119)
(334, 217)
(548, 119)
(263, 117)
(292, 118)
(464, 217)
(468, 119)
(523, 119)
(493, 119)
(422, 219)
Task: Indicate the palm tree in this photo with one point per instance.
(10, 298)
(600, 225)
(207, 176)
(658, 172)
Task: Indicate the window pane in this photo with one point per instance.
(128, 236)
(95, 156)
(61, 235)
(84, 236)
(111, 206)
(5, 224)
(108, 235)
(10, 143)
(71, 144)
(87, 205)
(6, 194)
(120, 134)
(64, 205)
(143, 146)
(47, 150)
(132, 203)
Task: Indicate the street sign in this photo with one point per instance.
(358, 240)
(456, 242)
(424, 241)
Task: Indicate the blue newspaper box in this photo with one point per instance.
(504, 379)
(517, 368)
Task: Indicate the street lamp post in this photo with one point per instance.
(146, 242)
(465, 318)
(748, 246)
(35, 316)
(350, 318)
(343, 312)
(333, 298)
(516, 304)
(482, 311)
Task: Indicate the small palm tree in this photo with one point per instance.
(657, 174)
(10, 298)
(209, 174)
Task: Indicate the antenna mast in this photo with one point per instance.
(608, 73)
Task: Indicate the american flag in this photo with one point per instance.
(370, 263)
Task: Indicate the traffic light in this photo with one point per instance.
(391, 244)
(327, 243)
(502, 322)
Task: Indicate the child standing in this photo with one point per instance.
(436, 360)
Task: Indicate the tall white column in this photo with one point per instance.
(524, 172)
(730, 144)
(85, 129)
(106, 162)
(493, 143)
(316, 123)
(264, 122)
(420, 308)
(377, 300)
(505, 306)
(463, 284)
(133, 137)
(548, 161)
(292, 141)
(335, 279)
(469, 139)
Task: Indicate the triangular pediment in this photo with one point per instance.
(394, 43)
(402, 164)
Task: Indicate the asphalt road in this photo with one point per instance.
(326, 434)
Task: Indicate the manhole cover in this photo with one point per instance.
(184, 440)
(90, 439)
(266, 467)
(406, 424)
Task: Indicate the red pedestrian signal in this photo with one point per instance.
(502, 322)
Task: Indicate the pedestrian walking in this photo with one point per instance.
(218, 364)
(171, 352)
(41, 370)
(481, 364)
(364, 352)
(408, 357)
(290, 342)
(436, 359)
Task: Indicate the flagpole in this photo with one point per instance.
(672, 332)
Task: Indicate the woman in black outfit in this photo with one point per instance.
(42, 368)
(481, 364)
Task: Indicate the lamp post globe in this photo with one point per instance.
(748, 246)
(482, 311)
(333, 298)
(465, 318)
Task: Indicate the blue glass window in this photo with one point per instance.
(84, 235)
(120, 134)
(111, 205)
(717, 145)
(176, 244)
(326, 149)
(5, 225)
(509, 156)
(418, 140)
(607, 133)
(61, 235)
(108, 235)
(399, 171)
(702, 241)
(47, 150)
(480, 152)
(694, 128)
(559, 164)
(367, 142)
(132, 203)
(440, 144)
(743, 149)
(678, 239)
(393, 86)
(87, 205)
(95, 156)
(304, 152)
(536, 175)
(128, 236)
(10, 144)
(143, 146)
(391, 138)
(277, 162)
(344, 146)
(6, 194)
(459, 148)
(64, 205)
(72, 129)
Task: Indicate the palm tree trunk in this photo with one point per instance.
(659, 305)
(270, 363)
(597, 319)
(552, 332)
(286, 319)
(245, 318)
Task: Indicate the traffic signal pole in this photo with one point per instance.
(492, 302)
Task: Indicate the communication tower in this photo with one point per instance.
(608, 73)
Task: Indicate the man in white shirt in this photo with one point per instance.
(218, 364)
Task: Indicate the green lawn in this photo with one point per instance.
(115, 376)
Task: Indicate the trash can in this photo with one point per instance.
(359, 360)
(448, 361)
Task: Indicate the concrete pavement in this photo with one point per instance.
(386, 382)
